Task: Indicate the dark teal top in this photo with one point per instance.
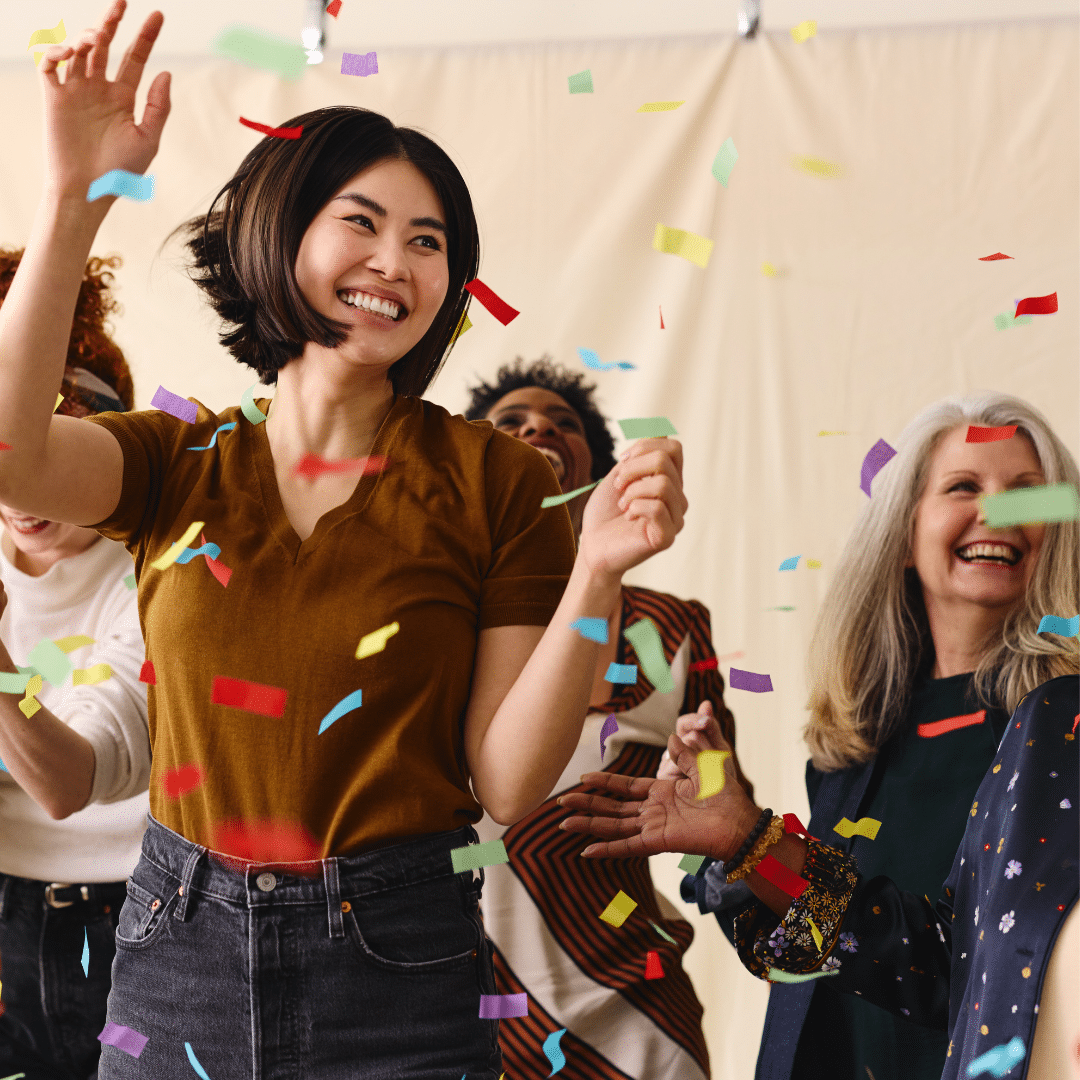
(921, 791)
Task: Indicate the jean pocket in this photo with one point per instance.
(142, 917)
(420, 929)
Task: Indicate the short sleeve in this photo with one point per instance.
(532, 549)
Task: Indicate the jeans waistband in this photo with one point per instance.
(19, 890)
(408, 862)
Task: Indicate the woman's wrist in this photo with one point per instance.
(746, 819)
(598, 590)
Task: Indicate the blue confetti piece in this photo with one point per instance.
(213, 438)
(4, 767)
(195, 1061)
(345, 705)
(790, 564)
(188, 554)
(1055, 624)
(591, 629)
(1000, 1059)
(120, 182)
(592, 360)
(86, 954)
(621, 673)
(552, 1051)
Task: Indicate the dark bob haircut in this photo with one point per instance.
(570, 386)
(244, 249)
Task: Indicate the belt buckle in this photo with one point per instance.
(50, 894)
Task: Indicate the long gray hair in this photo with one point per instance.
(872, 632)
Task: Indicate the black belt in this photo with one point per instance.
(60, 895)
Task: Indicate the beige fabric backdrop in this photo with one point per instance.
(954, 143)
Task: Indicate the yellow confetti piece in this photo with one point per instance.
(465, 324)
(813, 564)
(48, 36)
(816, 933)
(710, 767)
(29, 704)
(804, 31)
(91, 676)
(619, 910)
(769, 270)
(865, 826)
(820, 433)
(817, 166)
(70, 644)
(688, 245)
(660, 106)
(59, 398)
(163, 562)
(375, 642)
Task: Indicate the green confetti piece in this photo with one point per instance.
(691, 864)
(724, 161)
(473, 856)
(1023, 506)
(260, 50)
(776, 975)
(687, 245)
(647, 427)
(663, 933)
(51, 661)
(581, 83)
(1006, 319)
(129, 581)
(558, 500)
(10, 683)
(249, 408)
(649, 647)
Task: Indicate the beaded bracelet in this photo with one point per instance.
(748, 843)
(769, 837)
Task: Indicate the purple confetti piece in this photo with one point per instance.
(609, 729)
(876, 458)
(749, 680)
(174, 405)
(503, 1006)
(359, 64)
(123, 1038)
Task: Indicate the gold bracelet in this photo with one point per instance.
(769, 837)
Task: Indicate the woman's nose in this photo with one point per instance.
(536, 424)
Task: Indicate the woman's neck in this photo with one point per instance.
(960, 633)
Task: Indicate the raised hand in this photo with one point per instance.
(90, 122)
(647, 816)
(699, 731)
(637, 509)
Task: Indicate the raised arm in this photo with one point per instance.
(60, 468)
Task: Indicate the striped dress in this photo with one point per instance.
(541, 909)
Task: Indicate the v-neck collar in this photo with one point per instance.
(262, 462)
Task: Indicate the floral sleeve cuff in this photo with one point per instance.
(791, 945)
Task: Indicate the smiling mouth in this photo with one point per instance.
(556, 460)
(995, 554)
(28, 526)
(373, 305)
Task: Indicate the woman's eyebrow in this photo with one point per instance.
(375, 208)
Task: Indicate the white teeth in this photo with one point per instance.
(989, 551)
(557, 462)
(374, 304)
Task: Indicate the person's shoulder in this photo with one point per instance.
(1055, 695)
(166, 427)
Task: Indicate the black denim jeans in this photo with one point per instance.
(370, 966)
(52, 1012)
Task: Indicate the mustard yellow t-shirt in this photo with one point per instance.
(448, 540)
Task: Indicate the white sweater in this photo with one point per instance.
(83, 594)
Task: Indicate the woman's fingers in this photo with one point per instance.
(157, 108)
(99, 58)
(633, 787)
(55, 54)
(597, 804)
(76, 68)
(138, 52)
(605, 827)
(671, 447)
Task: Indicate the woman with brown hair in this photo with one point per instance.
(379, 668)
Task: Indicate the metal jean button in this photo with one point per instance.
(266, 882)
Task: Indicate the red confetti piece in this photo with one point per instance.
(333, 8)
(661, 318)
(1036, 305)
(218, 569)
(653, 968)
(1075, 722)
(953, 723)
(989, 434)
(286, 844)
(147, 673)
(277, 133)
(993, 258)
(498, 307)
(312, 466)
(4, 446)
(705, 665)
(250, 696)
(181, 780)
(783, 877)
(793, 825)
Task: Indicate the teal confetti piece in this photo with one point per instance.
(663, 933)
(691, 864)
(621, 673)
(124, 184)
(776, 975)
(648, 427)
(129, 581)
(51, 661)
(249, 408)
(261, 50)
(999, 1059)
(1023, 506)
(1055, 624)
(210, 550)
(591, 629)
(213, 438)
(558, 500)
(790, 564)
(195, 1062)
(473, 856)
(345, 705)
(10, 683)
(581, 83)
(649, 647)
(553, 1052)
(86, 954)
(724, 161)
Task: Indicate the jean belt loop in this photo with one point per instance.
(5, 885)
(186, 875)
(333, 897)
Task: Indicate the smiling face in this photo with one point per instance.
(37, 544)
(375, 257)
(958, 557)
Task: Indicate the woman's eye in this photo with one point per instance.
(429, 242)
(363, 220)
(964, 485)
(570, 425)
